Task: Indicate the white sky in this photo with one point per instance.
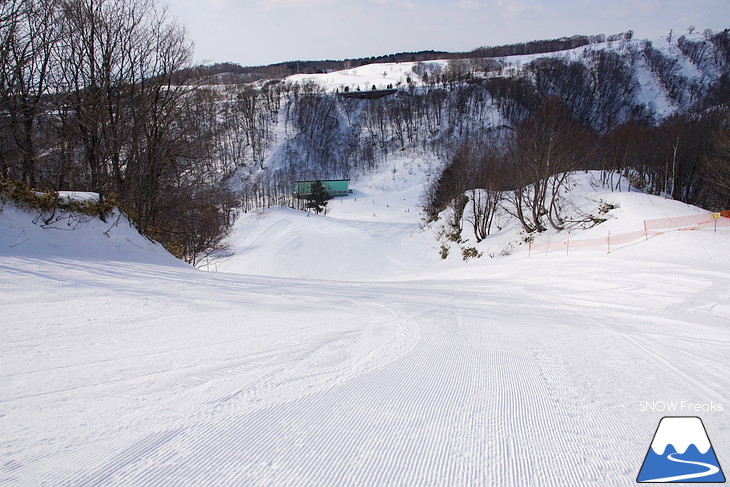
(257, 32)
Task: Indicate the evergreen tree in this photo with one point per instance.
(318, 197)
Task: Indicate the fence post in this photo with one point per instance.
(608, 242)
(529, 248)
(646, 234)
(567, 247)
(547, 248)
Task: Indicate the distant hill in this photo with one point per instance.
(235, 73)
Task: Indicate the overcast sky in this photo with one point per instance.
(257, 32)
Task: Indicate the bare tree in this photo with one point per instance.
(119, 59)
(476, 170)
(716, 168)
(29, 36)
(9, 25)
(540, 155)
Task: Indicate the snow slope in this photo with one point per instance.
(379, 232)
(118, 369)
(380, 75)
(71, 235)
(370, 235)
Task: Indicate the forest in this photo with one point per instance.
(91, 98)
(101, 96)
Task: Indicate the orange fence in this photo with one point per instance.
(705, 221)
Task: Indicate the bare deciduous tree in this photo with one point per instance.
(30, 34)
(716, 168)
(540, 155)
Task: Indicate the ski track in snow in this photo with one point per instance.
(212, 379)
(413, 372)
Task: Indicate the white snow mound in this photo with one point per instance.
(67, 235)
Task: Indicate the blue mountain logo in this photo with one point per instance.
(680, 452)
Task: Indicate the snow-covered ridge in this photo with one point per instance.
(439, 113)
(401, 74)
(365, 77)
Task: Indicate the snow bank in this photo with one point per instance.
(74, 236)
(79, 196)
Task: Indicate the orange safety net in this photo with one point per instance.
(704, 221)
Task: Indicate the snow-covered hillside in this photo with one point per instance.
(651, 91)
(122, 367)
(301, 128)
(379, 232)
(373, 234)
(65, 235)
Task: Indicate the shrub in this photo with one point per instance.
(470, 253)
(50, 201)
(444, 251)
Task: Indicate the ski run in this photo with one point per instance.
(341, 350)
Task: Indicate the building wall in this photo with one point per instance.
(339, 187)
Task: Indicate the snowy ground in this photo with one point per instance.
(382, 365)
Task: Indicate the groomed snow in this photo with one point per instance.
(373, 234)
(119, 366)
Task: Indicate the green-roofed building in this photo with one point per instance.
(335, 187)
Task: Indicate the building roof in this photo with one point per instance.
(322, 180)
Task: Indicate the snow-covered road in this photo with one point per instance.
(527, 371)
